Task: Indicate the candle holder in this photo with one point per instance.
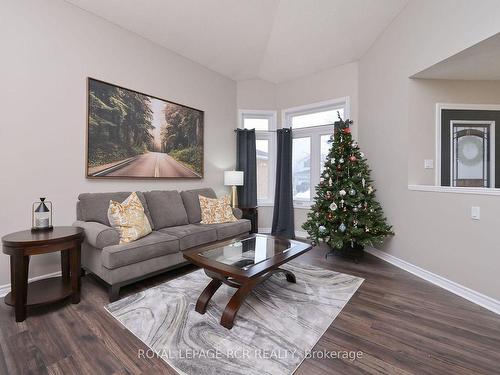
(41, 216)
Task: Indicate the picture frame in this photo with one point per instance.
(132, 135)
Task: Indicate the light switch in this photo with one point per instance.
(429, 164)
(475, 213)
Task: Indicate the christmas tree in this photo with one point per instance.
(345, 214)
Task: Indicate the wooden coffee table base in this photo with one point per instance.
(243, 289)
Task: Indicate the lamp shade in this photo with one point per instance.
(233, 178)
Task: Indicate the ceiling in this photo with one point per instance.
(275, 40)
(479, 62)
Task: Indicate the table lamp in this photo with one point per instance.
(233, 179)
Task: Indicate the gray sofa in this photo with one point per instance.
(175, 219)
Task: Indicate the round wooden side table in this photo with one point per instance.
(21, 245)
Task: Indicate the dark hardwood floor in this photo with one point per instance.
(402, 324)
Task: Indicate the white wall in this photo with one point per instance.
(49, 48)
(329, 84)
(256, 94)
(433, 230)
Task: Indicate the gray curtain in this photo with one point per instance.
(246, 161)
(283, 223)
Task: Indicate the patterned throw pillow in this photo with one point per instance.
(129, 219)
(216, 211)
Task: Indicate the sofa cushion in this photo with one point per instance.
(216, 211)
(226, 230)
(166, 208)
(129, 219)
(192, 234)
(192, 203)
(238, 214)
(94, 206)
(153, 245)
(97, 234)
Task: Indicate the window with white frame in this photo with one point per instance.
(312, 127)
(264, 123)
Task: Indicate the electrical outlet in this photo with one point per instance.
(429, 164)
(475, 213)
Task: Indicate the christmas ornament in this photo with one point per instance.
(345, 209)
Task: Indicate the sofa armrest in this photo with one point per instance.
(237, 213)
(97, 234)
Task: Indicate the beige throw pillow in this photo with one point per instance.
(216, 211)
(129, 219)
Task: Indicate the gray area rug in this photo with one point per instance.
(277, 326)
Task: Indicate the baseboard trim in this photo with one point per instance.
(298, 233)
(451, 286)
(5, 289)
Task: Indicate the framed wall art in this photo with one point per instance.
(134, 135)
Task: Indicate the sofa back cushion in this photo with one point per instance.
(192, 203)
(94, 206)
(166, 208)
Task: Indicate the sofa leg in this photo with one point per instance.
(114, 293)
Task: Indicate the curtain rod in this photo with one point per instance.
(275, 130)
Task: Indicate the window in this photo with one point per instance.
(264, 123)
(312, 127)
(263, 169)
(324, 149)
(327, 117)
(301, 168)
(256, 123)
(466, 146)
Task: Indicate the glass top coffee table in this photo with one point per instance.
(242, 263)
